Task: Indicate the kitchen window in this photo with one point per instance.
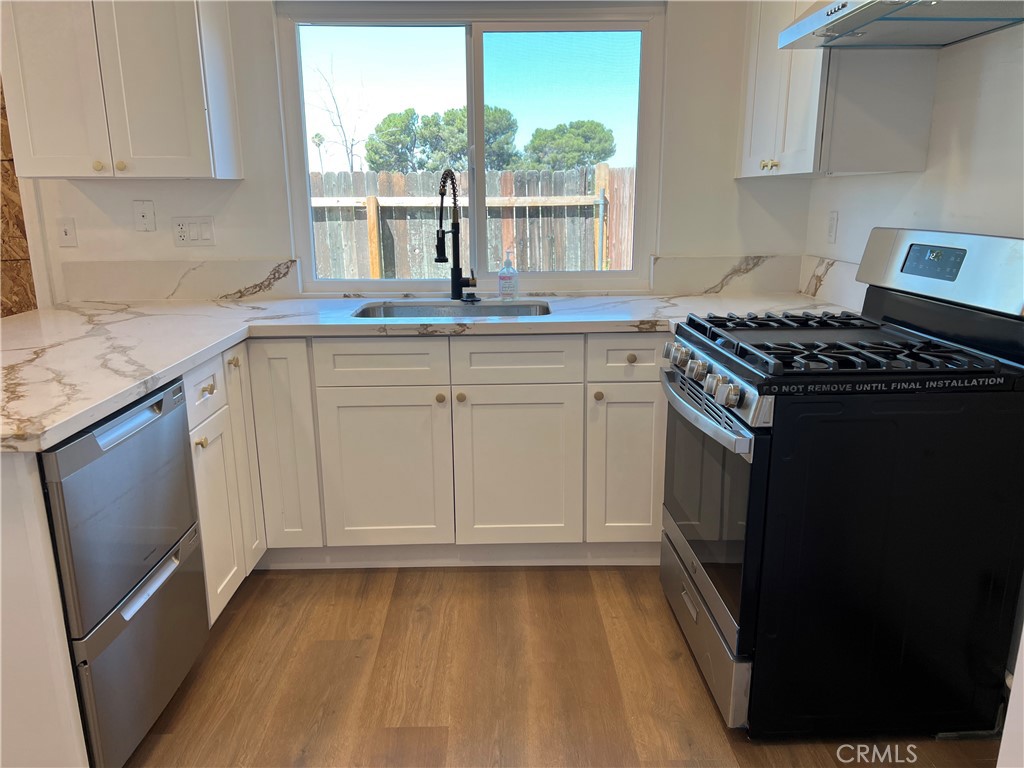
(552, 125)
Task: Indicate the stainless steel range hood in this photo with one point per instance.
(899, 24)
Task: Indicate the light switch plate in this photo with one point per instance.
(833, 226)
(66, 235)
(145, 215)
(193, 231)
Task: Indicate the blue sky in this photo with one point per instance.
(543, 78)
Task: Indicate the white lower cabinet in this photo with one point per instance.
(386, 458)
(243, 432)
(282, 400)
(518, 463)
(220, 521)
(625, 461)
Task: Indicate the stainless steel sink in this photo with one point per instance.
(487, 308)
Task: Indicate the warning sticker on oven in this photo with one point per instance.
(930, 384)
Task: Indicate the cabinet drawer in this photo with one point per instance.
(517, 360)
(625, 356)
(380, 362)
(205, 392)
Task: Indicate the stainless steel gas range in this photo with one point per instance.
(844, 496)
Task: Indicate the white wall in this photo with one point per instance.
(705, 211)
(974, 181)
(250, 216)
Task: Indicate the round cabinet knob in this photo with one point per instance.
(203, 443)
(728, 395)
(97, 166)
(440, 397)
(234, 362)
(461, 397)
(599, 396)
(121, 165)
(631, 358)
(711, 382)
(696, 370)
(209, 389)
(680, 355)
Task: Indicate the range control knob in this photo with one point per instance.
(697, 369)
(680, 355)
(712, 382)
(728, 395)
(667, 350)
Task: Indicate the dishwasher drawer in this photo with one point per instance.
(131, 664)
(120, 497)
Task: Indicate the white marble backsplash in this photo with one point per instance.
(179, 280)
(213, 279)
(725, 275)
(832, 282)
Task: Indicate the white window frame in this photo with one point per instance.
(477, 18)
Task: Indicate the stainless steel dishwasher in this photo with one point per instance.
(123, 513)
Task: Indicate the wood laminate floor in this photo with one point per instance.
(465, 667)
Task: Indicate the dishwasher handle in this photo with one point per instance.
(88, 446)
(143, 414)
(118, 620)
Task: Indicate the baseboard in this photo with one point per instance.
(448, 555)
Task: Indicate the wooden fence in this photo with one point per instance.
(379, 224)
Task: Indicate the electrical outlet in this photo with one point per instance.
(66, 235)
(833, 226)
(193, 231)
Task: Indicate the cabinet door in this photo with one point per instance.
(243, 431)
(625, 461)
(765, 64)
(53, 89)
(283, 403)
(153, 86)
(386, 457)
(220, 521)
(518, 463)
(801, 102)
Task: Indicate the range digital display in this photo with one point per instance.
(935, 261)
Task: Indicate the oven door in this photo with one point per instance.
(715, 484)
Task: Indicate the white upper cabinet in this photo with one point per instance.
(826, 111)
(53, 89)
(124, 89)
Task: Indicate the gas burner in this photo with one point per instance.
(888, 356)
(732, 321)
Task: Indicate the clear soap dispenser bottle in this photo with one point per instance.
(508, 279)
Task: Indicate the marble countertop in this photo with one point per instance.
(67, 367)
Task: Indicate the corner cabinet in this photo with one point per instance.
(227, 481)
(828, 111)
(282, 400)
(243, 432)
(121, 89)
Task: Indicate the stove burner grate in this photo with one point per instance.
(732, 321)
(889, 356)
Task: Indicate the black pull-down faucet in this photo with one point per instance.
(458, 281)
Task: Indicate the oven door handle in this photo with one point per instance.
(739, 442)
